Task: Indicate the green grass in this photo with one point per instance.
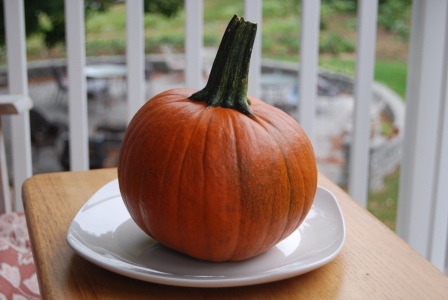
(383, 204)
(391, 73)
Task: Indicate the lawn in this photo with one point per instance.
(391, 73)
(106, 35)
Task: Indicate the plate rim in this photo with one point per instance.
(136, 271)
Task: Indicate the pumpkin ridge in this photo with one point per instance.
(199, 120)
(123, 181)
(124, 158)
(300, 220)
(303, 187)
(136, 127)
(264, 236)
(139, 118)
(247, 123)
(137, 142)
(291, 190)
(302, 207)
(285, 160)
(238, 167)
(172, 146)
(308, 148)
(203, 186)
(143, 172)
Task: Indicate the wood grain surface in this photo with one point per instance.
(374, 263)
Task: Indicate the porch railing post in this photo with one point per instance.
(309, 54)
(18, 84)
(135, 56)
(365, 62)
(253, 13)
(193, 43)
(77, 95)
(439, 238)
(417, 204)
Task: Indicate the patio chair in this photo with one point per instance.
(44, 134)
(149, 70)
(43, 131)
(61, 83)
(97, 152)
(174, 62)
(95, 87)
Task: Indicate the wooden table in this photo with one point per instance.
(374, 263)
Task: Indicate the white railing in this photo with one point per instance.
(365, 60)
(423, 203)
(18, 84)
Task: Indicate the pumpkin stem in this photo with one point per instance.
(228, 80)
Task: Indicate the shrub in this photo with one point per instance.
(334, 44)
(395, 15)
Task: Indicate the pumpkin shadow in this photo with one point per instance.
(168, 261)
(154, 258)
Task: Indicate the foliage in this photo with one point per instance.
(48, 17)
(340, 5)
(334, 44)
(167, 8)
(395, 16)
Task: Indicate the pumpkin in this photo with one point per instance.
(213, 173)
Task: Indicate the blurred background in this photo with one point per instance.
(164, 23)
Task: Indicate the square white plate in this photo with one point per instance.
(104, 233)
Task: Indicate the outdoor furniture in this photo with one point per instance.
(373, 263)
(108, 73)
(97, 152)
(149, 70)
(105, 71)
(96, 86)
(44, 133)
(174, 62)
(276, 87)
(61, 83)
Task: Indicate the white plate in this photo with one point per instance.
(104, 233)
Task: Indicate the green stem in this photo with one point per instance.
(228, 80)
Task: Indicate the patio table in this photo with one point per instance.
(105, 71)
(374, 262)
(108, 72)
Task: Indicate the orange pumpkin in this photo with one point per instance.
(217, 183)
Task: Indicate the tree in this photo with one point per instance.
(53, 29)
